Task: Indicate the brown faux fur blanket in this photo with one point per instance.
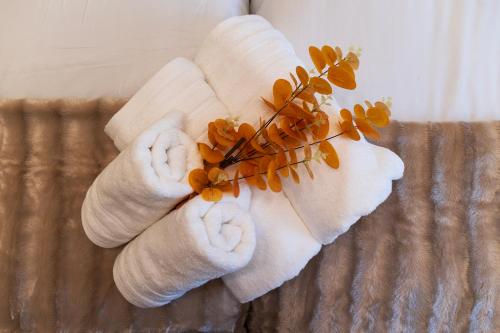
(428, 259)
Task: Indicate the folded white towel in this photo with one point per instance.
(340, 197)
(284, 246)
(141, 185)
(257, 54)
(178, 86)
(198, 242)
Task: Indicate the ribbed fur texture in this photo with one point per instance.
(428, 259)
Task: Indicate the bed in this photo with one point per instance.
(426, 260)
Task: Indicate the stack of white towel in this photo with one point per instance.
(254, 242)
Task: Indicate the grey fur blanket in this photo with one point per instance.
(428, 259)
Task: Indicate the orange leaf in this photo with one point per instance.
(349, 130)
(217, 176)
(265, 134)
(295, 175)
(384, 107)
(293, 156)
(294, 79)
(377, 116)
(330, 55)
(291, 142)
(210, 155)
(236, 184)
(282, 90)
(247, 131)
(359, 111)
(285, 125)
(309, 171)
(317, 58)
(269, 104)
(302, 75)
(275, 137)
(353, 60)
(338, 50)
(308, 96)
(259, 181)
(329, 154)
(299, 113)
(225, 186)
(366, 129)
(341, 77)
(273, 179)
(307, 150)
(211, 194)
(225, 129)
(211, 130)
(306, 107)
(247, 170)
(198, 179)
(221, 140)
(282, 163)
(264, 163)
(322, 126)
(321, 85)
(346, 115)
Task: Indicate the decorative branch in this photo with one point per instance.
(270, 149)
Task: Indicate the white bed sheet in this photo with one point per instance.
(438, 60)
(93, 48)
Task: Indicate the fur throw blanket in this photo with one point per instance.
(428, 259)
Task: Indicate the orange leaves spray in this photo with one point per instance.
(365, 121)
(263, 156)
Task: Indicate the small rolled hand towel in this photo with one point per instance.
(257, 54)
(143, 183)
(197, 242)
(179, 86)
(284, 246)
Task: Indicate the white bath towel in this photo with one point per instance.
(241, 58)
(198, 242)
(342, 196)
(257, 54)
(178, 86)
(284, 246)
(143, 183)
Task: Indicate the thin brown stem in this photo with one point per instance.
(294, 148)
(295, 93)
(265, 172)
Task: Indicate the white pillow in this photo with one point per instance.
(438, 60)
(83, 48)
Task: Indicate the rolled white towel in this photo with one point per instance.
(178, 86)
(257, 54)
(284, 246)
(143, 183)
(198, 242)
